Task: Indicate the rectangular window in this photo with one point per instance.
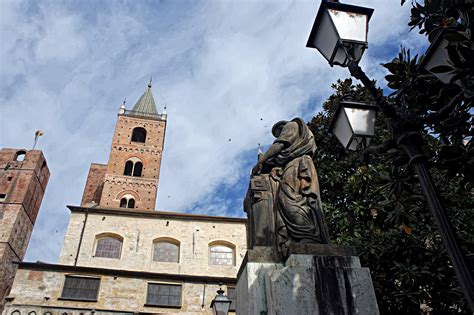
(232, 296)
(3, 197)
(160, 294)
(81, 288)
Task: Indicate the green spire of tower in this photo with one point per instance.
(146, 103)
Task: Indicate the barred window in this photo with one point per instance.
(164, 295)
(232, 296)
(166, 251)
(80, 288)
(108, 247)
(221, 255)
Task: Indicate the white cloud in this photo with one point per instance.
(219, 67)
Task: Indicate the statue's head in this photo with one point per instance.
(276, 129)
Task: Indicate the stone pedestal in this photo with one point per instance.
(318, 282)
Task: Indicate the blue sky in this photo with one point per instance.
(218, 66)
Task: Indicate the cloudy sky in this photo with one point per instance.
(224, 69)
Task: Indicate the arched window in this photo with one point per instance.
(127, 201)
(222, 254)
(123, 203)
(137, 169)
(133, 167)
(20, 156)
(108, 246)
(16, 313)
(128, 168)
(139, 134)
(166, 250)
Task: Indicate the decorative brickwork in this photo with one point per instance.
(23, 179)
(123, 149)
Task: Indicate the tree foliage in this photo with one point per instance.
(379, 207)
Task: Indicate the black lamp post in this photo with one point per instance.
(221, 304)
(404, 124)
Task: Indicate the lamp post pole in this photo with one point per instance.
(406, 133)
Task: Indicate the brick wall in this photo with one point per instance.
(22, 186)
(143, 188)
(94, 184)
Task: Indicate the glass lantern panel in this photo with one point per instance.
(354, 49)
(326, 37)
(359, 140)
(438, 58)
(362, 121)
(221, 308)
(349, 25)
(342, 130)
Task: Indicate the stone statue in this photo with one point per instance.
(283, 201)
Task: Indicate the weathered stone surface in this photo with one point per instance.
(252, 299)
(283, 202)
(40, 291)
(259, 207)
(290, 290)
(308, 284)
(344, 283)
(138, 235)
(320, 249)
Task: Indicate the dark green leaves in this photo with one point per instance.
(379, 208)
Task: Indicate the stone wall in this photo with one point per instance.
(40, 291)
(139, 232)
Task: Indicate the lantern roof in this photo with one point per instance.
(327, 5)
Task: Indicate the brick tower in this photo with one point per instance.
(23, 179)
(130, 178)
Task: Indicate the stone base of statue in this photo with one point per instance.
(314, 279)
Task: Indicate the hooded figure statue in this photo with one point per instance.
(296, 199)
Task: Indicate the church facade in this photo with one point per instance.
(119, 255)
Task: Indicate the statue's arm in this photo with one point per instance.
(271, 152)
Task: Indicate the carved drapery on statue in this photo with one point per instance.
(283, 202)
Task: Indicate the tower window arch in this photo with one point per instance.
(108, 246)
(139, 134)
(133, 167)
(221, 253)
(127, 201)
(166, 250)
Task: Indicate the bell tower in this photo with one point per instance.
(130, 178)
